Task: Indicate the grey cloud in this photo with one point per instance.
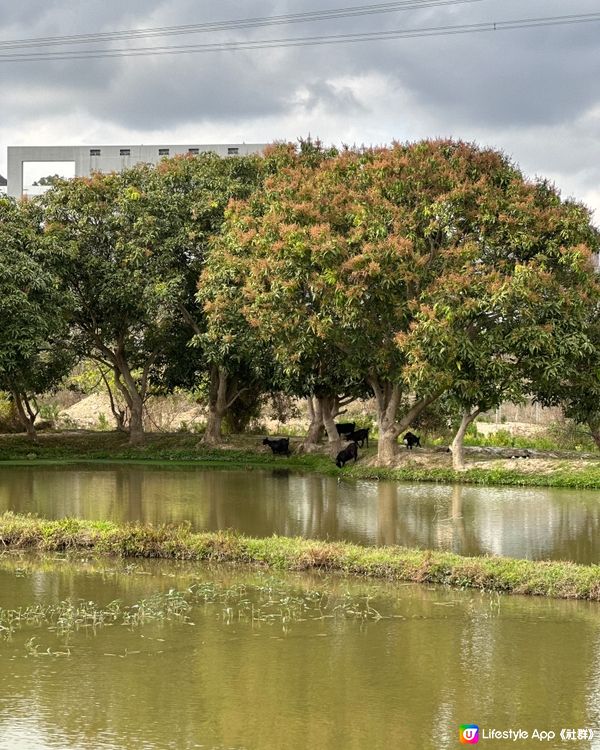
(507, 78)
(318, 95)
(159, 96)
(530, 92)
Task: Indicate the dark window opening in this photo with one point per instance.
(193, 150)
(125, 152)
(163, 151)
(95, 152)
(232, 151)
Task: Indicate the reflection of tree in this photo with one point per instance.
(576, 532)
(437, 659)
(387, 514)
(540, 523)
(134, 492)
(17, 490)
(418, 521)
(458, 532)
(320, 507)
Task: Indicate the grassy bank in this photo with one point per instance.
(562, 475)
(247, 452)
(552, 579)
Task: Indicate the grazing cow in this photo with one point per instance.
(350, 452)
(345, 428)
(280, 446)
(411, 441)
(359, 436)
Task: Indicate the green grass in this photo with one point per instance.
(550, 440)
(247, 452)
(561, 476)
(553, 579)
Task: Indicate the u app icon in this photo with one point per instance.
(468, 734)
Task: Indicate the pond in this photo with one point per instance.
(533, 523)
(191, 657)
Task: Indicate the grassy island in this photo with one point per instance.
(562, 580)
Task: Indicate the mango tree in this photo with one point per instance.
(501, 336)
(338, 251)
(34, 354)
(128, 248)
(276, 328)
(577, 388)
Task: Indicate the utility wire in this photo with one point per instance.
(244, 23)
(446, 30)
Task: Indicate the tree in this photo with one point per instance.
(511, 322)
(501, 335)
(128, 248)
(196, 194)
(238, 360)
(34, 356)
(337, 251)
(119, 289)
(49, 180)
(577, 389)
(268, 297)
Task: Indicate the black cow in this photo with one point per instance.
(359, 436)
(345, 428)
(350, 452)
(280, 446)
(411, 441)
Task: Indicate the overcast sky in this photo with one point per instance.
(534, 93)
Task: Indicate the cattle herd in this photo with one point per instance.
(347, 431)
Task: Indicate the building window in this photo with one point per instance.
(233, 150)
(94, 152)
(163, 151)
(193, 151)
(125, 152)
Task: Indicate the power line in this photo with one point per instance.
(244, 23)
(446, 30)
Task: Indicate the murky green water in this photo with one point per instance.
(517, 522)
(288, 663)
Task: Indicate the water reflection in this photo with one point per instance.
(530, 523)
(436, 659)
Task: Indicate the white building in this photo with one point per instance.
(88, 159)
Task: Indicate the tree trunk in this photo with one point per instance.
(387, 446)
(133, 391)
(120, 415)
(315, 429)
(212, 433)
(217, 400)
(333, 437)
(594, 428)
(217, 405)
(26, 414)
(322, 411)
(458, 446)
(387, 396)
(134, 398)
(136, 422)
